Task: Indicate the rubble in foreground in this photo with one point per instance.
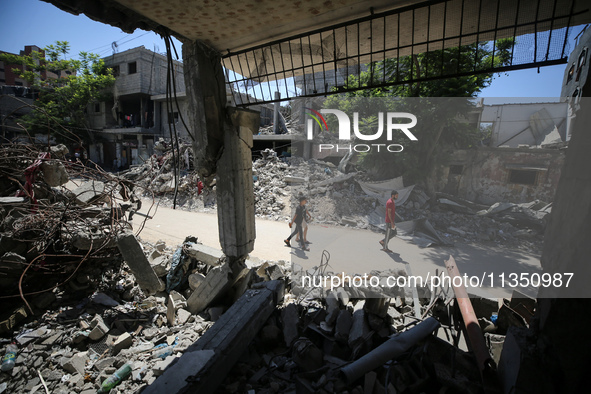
(305, 339)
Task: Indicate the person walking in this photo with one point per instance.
(390, 226)
(298, 218)
(307, 219)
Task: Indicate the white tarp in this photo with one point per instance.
(382, 190)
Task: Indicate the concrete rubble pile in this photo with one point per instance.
(156, 177)
(334, 197)
(275, 179)
(57, 217)
(286, 126)
(258, 328)
(511, 225)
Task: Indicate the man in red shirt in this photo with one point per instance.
(390, 227)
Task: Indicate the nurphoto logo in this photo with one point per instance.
(393, 124)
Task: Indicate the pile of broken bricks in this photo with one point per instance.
(251, 329)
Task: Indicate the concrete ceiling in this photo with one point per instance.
(237, 25)
(224, 25)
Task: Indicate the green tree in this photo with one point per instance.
(454, 72)
(65, 88)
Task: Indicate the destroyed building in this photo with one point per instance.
(340, 343)
(136, 116)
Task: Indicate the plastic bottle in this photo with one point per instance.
(115, 379)
(9, 358)
(163, 352)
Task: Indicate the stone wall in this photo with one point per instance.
(485, 175)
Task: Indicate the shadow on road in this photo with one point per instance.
(396, 257)
(299, 253)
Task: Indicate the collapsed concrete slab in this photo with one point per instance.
(137, 261)
(215, 282)
(205, 364)
(203, 253)
(90, 192)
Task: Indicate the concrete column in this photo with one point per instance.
(235, 192)
(276, 113)
(157, 119)
(118, 151)
(307, 150)
(206, 95)
(142, 151)
(223, 142)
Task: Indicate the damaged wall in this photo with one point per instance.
(528, 123)
(517, 175)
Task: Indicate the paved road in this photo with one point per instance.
(351, 251)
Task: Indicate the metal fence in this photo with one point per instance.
(427, 41)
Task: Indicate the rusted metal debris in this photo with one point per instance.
(55, 216)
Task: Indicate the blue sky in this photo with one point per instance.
(33, 22)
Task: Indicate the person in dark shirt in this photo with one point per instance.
(390, 227)
(298, 218)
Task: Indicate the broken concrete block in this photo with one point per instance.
(150, 333)
(52, 339)
(135, 258)
(223, 343)
(359, 328)
(275, 272)
(393, 313)
(332, 308)
(183, 316)
(59, 151)
(99, 328)
(104, 363)
(175, 301)
(160, 246)
(343, 326)
(290, 319)
(90, 192)
(495, 345)
(195, 280)
(347, 221)
(80, 336)
(90, 236)
(294, 179)
(76, 363)
(54, 173)
(342, 295)
(124, 341)
(205, 254)
(215, 281)
(377, 306)
(160, 265)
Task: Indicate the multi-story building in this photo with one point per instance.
(137, 114)
(9, 78)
